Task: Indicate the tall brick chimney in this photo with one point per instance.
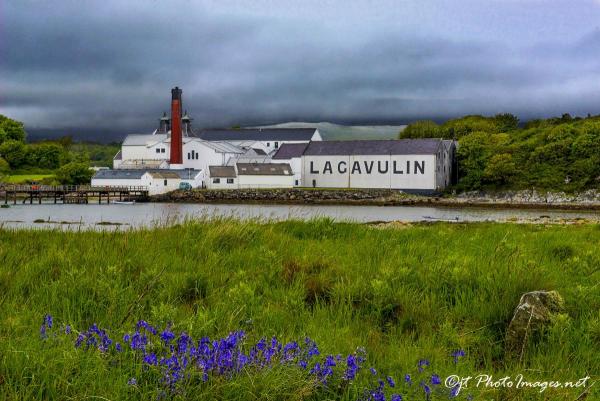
(176, 160)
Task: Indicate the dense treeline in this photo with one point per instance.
(68, 161)
(498, 153)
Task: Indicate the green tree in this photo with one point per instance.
(460, 127)
(14, 152)
(500, 169)
(3, 136)
(13, 129)
(45, 155)
(506, 122)
(74, 174)
(4, 166)
(421, 129)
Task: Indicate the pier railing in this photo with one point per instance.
(72, 188)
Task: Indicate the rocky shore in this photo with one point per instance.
(382, 197)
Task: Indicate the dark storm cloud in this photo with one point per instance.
(77, 64)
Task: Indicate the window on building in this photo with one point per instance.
(157, 150)
(216, 180)
(276, 145)
(296, 183)
(196, 156)
(230, 180)
(162, 150)
(268, 144)
(165, 183)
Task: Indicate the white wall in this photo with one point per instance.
(157, 185)
(337, 171)
(266, 181)
(206, 156)
(296, 165)
(222, 184)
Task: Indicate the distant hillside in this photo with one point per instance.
(331, 131)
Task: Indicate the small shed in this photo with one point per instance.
(160, 182)
(222, 177)
(265, 175)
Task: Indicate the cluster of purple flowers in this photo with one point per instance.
(178, 357)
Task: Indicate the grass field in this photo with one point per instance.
(404, 295)
(25, 178)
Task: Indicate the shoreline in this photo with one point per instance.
(377, 198)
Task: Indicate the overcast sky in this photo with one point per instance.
(111, 64)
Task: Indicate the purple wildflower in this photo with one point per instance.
(391, 381)
(132, 382)
(407, 379)
(396, 397)
(68, 329)
(435, 380)
(457, 354)
(422, 364)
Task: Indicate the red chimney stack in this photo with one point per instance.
(176, 137)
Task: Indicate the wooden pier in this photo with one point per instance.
(74, 194)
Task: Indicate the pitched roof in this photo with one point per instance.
(144, 139)
(374, 147)
(217, 146)
(258, 134)
(264, 169)
(119, 174)
(123, 174)
(222, 171)
(163, 174)
(290, 150)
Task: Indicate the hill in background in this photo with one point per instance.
(331, 131)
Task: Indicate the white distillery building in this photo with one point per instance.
(412, 165)
(251, 175)
(291, 153)
(156, 181)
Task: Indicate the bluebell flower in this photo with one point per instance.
(391, 381)
(373, 371)
(396, 397)
(408, 379)
(435, 379)
(132, 382)
(118, 347)
(454, 391)
(457, 354)
(67, 329)
(423, 363)
(150, 359)
(48, 321)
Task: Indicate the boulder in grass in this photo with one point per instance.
(535, 310)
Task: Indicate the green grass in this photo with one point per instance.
(403, 294)
(25, 178)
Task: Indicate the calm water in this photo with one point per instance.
(151, 214)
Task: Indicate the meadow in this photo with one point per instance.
(412, 297)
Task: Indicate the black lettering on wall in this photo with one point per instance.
(379, 167)
(327, 168)
(345, 170)
(312, 169)
(369, 168)
(396, 171)
(356, 167)
(407, 167)
(420, 167)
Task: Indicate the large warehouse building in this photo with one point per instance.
(273, 158)
(415, 165)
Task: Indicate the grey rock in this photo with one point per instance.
(535, 310)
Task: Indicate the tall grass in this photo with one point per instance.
(403, 294)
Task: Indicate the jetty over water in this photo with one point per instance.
(74, 194)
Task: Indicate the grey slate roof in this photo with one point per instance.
(264, 169)
(125, 174)
(258, 134)
(375, 147)
(222, 171)
(119, 174)
(290, 150)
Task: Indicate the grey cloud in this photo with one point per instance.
(100, 69)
